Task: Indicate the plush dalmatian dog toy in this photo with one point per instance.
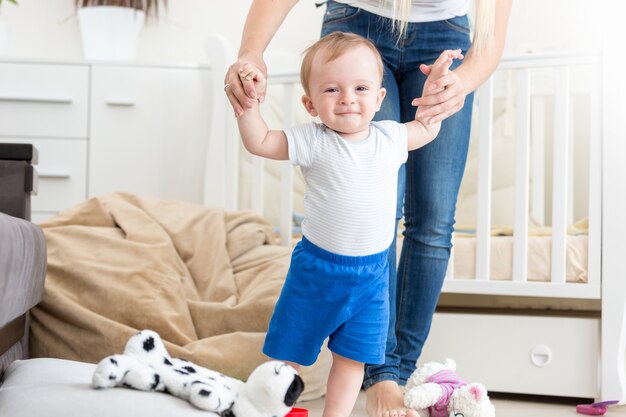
(270, 391)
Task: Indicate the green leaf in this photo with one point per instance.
(10, 1)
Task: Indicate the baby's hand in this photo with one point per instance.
(249, 73)
(437, 70)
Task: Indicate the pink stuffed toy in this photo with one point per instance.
(435, 390)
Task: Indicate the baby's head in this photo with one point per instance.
(331, 47)
(342, 76)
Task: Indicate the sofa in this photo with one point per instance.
(46, 385)
(22, 250)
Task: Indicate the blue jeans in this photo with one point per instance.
(428, 183)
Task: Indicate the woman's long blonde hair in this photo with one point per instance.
(484, 21)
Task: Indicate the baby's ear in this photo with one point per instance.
(381, 96)
(308, 105)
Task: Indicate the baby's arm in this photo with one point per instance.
(258, 139)
(420, 132)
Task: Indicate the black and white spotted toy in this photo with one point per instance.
(270, 391)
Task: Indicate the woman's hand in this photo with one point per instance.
(245, 83)
(446, 97)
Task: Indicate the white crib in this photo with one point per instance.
(514, 335)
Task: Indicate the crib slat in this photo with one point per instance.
(520, 245)
(222, 157)
(560, 174)
(286, 181)
(232, 169)
(595, 183)
(257, 185)
(537, 172)
(483, 222)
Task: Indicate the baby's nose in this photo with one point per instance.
(347, 97)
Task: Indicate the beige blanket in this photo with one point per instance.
(206, 280)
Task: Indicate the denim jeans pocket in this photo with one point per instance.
(338, 13)
(458, 23)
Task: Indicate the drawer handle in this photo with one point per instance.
(37, 99)
(54, 175)
(541, 355)
(120, 102)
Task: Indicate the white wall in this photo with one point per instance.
(48, 29)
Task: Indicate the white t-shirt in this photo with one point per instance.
(421, 10)
(351, 186)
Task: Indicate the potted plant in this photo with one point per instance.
(10, 1)
(148, 7)
(4, 30)
(110, 28)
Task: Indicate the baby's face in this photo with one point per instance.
(345, 93)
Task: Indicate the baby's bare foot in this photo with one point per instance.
(386, 399)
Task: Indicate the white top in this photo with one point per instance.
(421, 10)
(351, 186)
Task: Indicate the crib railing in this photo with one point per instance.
(529, 164)
(562, 202)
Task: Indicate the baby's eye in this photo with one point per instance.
(331, 90)
(362, 88)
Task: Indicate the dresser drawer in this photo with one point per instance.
(44, 100)
(62, 171)
(520, 354)
(148, 131)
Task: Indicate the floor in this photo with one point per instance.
(506, 406)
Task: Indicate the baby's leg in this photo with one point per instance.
(344, 384)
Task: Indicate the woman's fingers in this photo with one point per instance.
(438, 85)
(452, 86)
(244, 84)
(450, 54)
(435, 99)
(444, 115)
(253, 81)
(233, 89)
(442, 110)
(238, 98)
(261, 88)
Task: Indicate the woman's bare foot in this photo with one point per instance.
(386, 399)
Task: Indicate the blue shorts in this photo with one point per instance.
(344, 298)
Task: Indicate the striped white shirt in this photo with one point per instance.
(351, 186)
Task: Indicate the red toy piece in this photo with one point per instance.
(298, 412)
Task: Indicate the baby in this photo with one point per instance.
(337, 284)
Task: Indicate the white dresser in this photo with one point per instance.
(102, 127)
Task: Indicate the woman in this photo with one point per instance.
(408, 35)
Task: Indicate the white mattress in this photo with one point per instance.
(539, 264)
(539, 249)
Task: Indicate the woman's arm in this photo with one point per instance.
(467, 77)
(264, 19)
